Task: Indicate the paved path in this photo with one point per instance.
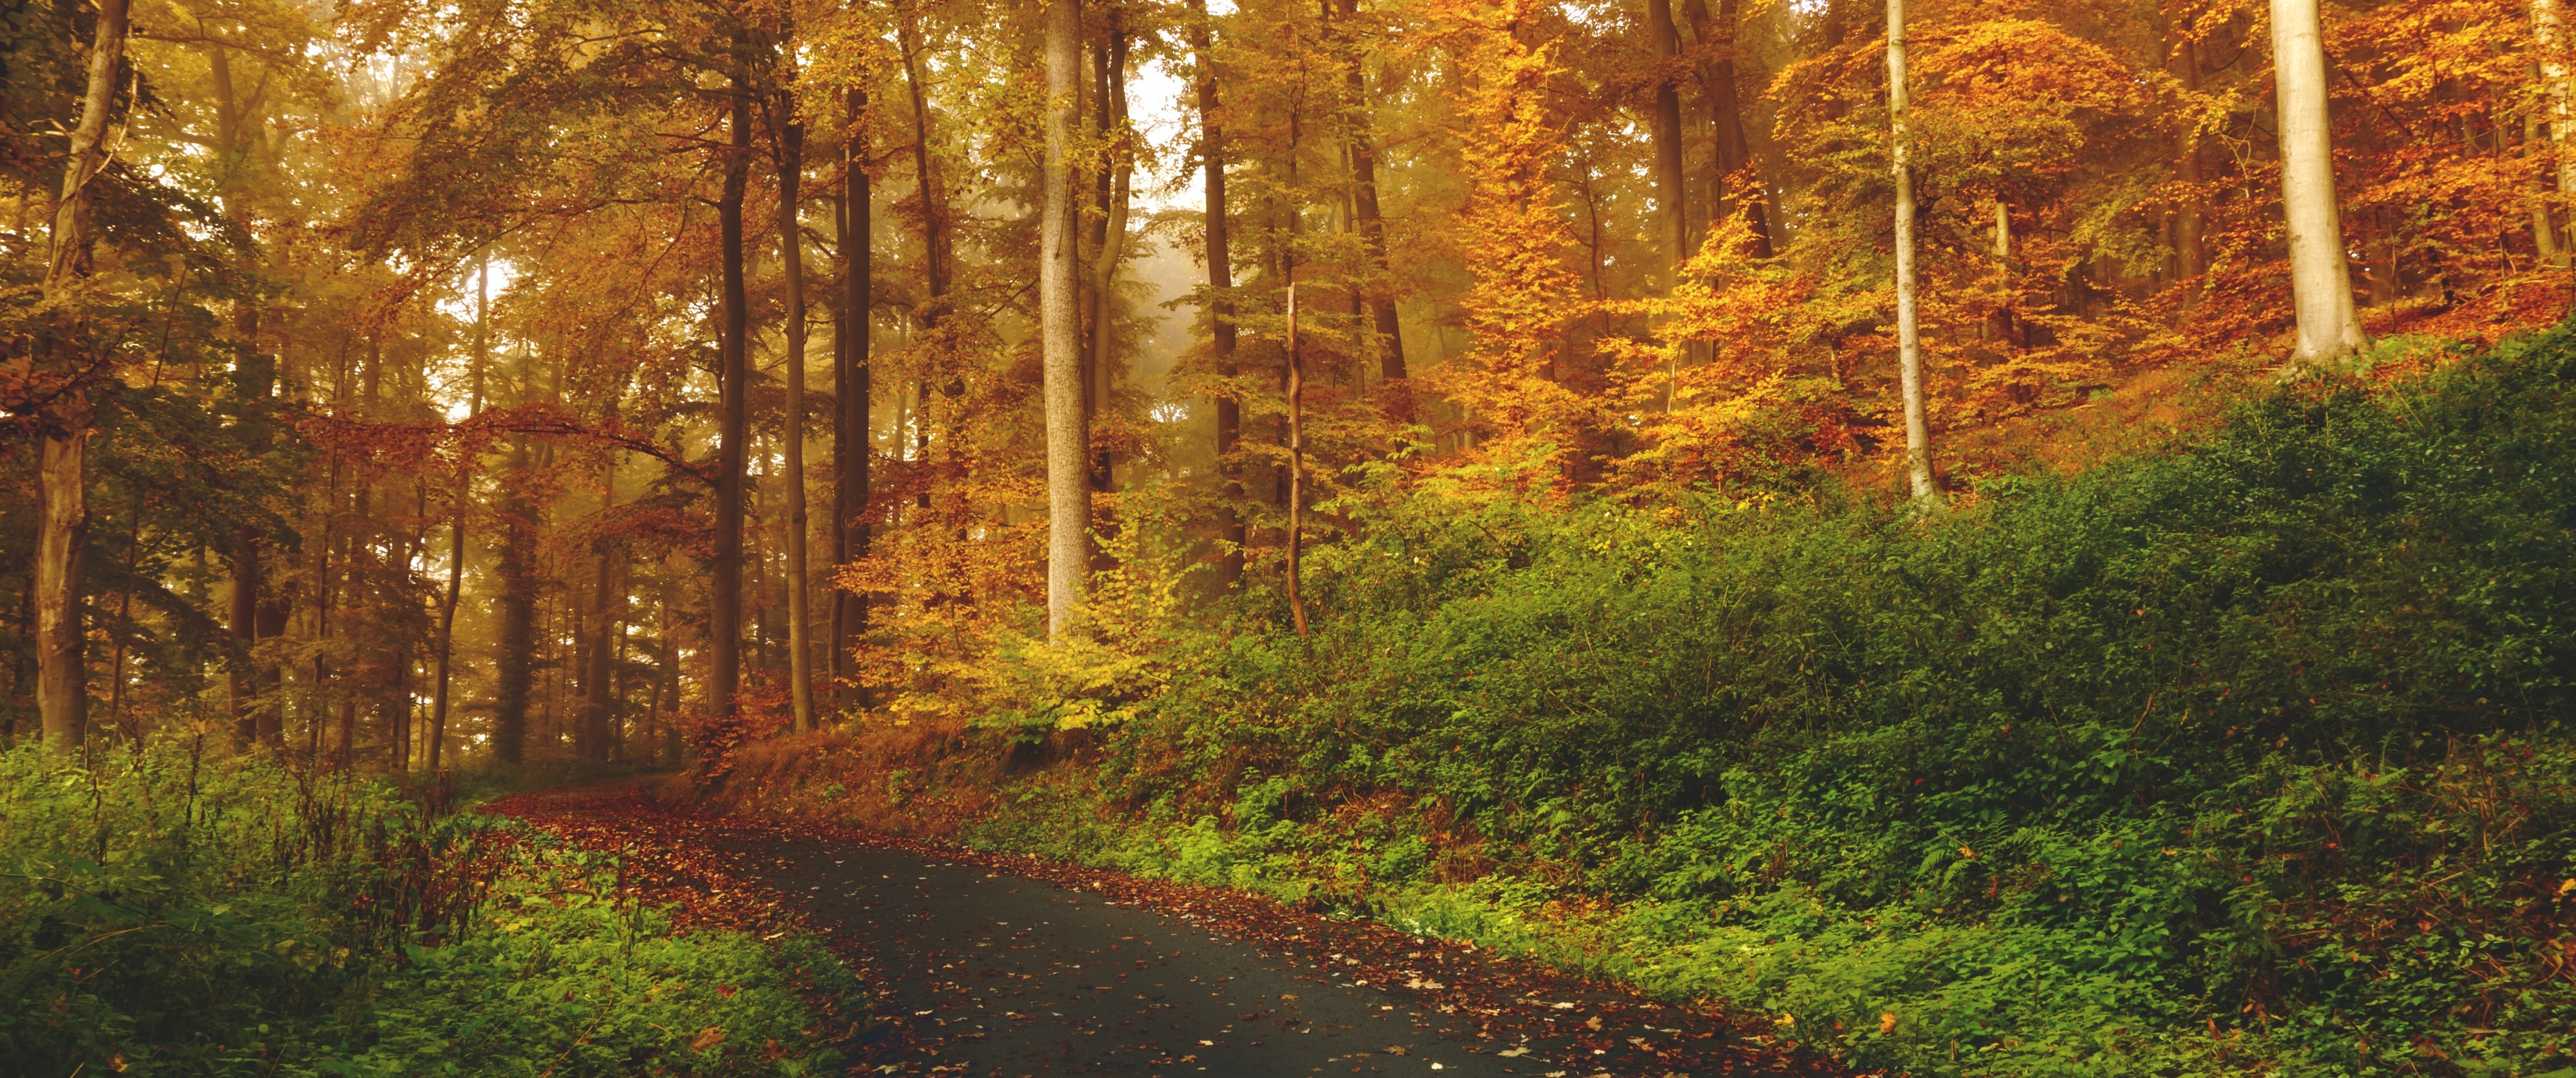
(1001, 965)
(1007, 975)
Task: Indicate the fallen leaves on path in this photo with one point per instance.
(673, 856)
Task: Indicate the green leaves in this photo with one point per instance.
(185, 913)
(2247, 755)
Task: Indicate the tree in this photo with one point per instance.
(1731, 155)
(2320, 271)
(62, 475)
(2549, 34)
(1369, 217)
(1219, 256)
(1671, 206)
(1117, 175)
(791, 255)
(1068, 433)
(444, 678)
(852, 378)
(1909, 342)
(733, 377)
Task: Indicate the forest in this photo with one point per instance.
(1938, 538)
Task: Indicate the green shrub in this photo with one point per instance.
(2251, 753)
(166, 913)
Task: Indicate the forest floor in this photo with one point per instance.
(1005, 964)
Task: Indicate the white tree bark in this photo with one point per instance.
(1909, 339)
(2320, 272)
(2549, 32)
(1068, 434)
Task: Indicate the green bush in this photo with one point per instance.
(166, 913)
(2252, 753)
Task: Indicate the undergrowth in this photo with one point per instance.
(2247, 756)
(169, 913)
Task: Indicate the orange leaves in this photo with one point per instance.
(1516, 234)
(1743, 373)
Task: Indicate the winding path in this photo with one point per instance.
(991, 964)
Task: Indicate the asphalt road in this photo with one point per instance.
(997, 974)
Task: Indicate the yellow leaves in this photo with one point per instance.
(707, 1038)
(1516, 234)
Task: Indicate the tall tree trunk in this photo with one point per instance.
(1909, 341)
(2005, 326)
(1068, 436)
(1220, 270)
(1370, 222)
(1671, 212)
(608, 602)
(441, 679)
(851, 451)
(2320, 276)
(62, 479)
(2544, 233)
(724, 613)
(1116, 186)
(243, 677)
(1731, 155)
(434, 755)
(2549, 32)
(269, 623)
(938, 260)
(2189, 217)
(255, 377)
(936, 251)
(514, 660)
(791, 255)
(1296, 469)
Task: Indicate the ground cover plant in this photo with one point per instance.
(2246, 755)
(166, 913)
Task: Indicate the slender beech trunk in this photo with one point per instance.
(1068, 437)
(441, 681)
(2190, 218)
(1909, 341)
(2005, 325)
(938, 262)
(2544, 234)
(124, 611)
(62, 471)
(1220, 270)
(1671, 212)
(1117, 185)
(514, 661)
(852, 455)
(1296, 469)
(1731, 153)
(243, 621)
(2548, 30)
(272, 614)
(2320, 275)
(936, 250)
(253, 710)
(791, 256)
(608, 602)
(1370, 221)
(724, 606)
